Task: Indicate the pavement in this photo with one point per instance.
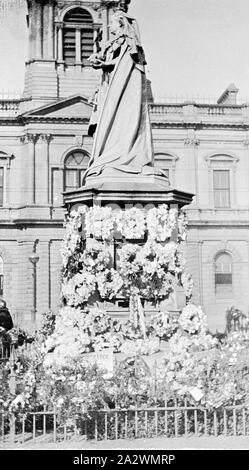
(162, 443)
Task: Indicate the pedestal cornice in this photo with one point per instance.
(144, 191)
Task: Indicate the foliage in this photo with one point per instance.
(48, 324)
(163, 325)
(15, 337)
(236, 320)
(195, 366)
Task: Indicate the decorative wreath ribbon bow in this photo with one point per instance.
(137, 316)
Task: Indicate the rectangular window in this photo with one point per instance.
(69, 46)
(73, 179)
(86, 43)
(223, 279)
(221, 185)
(1, 186)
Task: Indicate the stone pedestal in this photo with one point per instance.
(125, 192)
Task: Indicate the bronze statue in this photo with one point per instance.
(120, 120)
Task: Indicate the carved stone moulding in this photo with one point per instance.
(125, 192)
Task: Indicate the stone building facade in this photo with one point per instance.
(44, 150)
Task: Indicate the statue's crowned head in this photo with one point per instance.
(123, 5)
(122, 24)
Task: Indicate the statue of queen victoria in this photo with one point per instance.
(120, 119)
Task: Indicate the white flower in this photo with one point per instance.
(192, 319)
(19, 400)
(161, 222)
(72, 236)
(131, 223)
(99, 222)
(182, 226)
(109, 283)
(60, 401)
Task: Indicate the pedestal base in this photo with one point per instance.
(128, 189)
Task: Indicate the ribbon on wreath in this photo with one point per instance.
(137, 316)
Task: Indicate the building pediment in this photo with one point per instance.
(68, 108)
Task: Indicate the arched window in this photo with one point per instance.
(77, 36)
(223, 273)
(1, 276)
(75, 166)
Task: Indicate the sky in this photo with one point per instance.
(193, 47)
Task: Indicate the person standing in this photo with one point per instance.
(5, 317)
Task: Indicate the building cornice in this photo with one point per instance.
(21, 121)
(217, 223)
(198, 125)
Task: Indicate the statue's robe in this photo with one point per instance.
(123, 141)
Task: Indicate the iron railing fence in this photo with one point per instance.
(171, 420)
(7, 352)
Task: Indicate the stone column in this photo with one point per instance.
(47, 138)
(32, 32)
(60, 42)
(55, 270)
(48, 39)
(25, 284)
(7, 181)
(193, 142)
(38, 8)
(196, 144)
(105, 24)
(246, 146)
(200, 245)
(33, 138)
(43, 277)
(51, 31)
(78, 46)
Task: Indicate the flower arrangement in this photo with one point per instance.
(99, 222)
(192, 320)
(196, 366)
(190, 355)
(109, 283)
(149, 268)
(140, 347)
(96, 257)
(164, 325)
(72, 237)
(146, 271)
(77, 290)
(188, 284)
(131, 223)
(161, 222)
(94, 260)
(182, 224)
